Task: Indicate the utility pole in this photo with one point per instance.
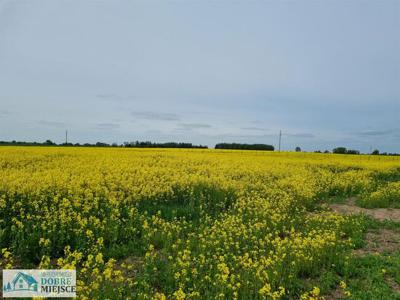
(280, 139)
(66, 137)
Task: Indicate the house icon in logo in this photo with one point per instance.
(21, 282)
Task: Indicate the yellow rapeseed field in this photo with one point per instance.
(185, 224)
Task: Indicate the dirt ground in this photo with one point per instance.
(381, 214)
(379, 242)
(335, 295)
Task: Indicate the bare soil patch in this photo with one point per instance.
(336, 294)
(380, 241)
(382, 214)
(376, 241)
(393, 284)
(130, 266)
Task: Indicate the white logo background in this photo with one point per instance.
(39, 283)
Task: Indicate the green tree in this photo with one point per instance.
(340, 150)
(375, 152)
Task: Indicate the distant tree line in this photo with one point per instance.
(20, 143)
(148, 144)
(237, 146)
(136, 144)
(51, 143)
(344, 150)
(376, 152)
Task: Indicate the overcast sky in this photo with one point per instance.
(325, 72)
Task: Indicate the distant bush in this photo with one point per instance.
(340, 150)
(237, 146)
(353, 152)
(375, 152)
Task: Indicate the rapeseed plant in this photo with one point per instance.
(183, 224)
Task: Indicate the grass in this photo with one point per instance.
(372, 276)
(372, 223)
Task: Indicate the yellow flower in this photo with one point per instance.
(179, 295)
(343, 284)
(265, 290)
(316, 291)
(159, 296)
(99, 258)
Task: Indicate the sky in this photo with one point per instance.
(325, 72)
